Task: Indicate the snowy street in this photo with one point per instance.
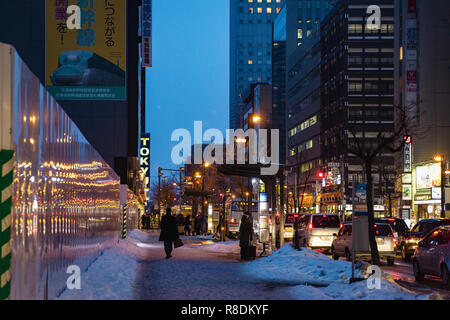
(206, 270)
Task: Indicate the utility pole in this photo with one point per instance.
(159, 192)
(181, 186)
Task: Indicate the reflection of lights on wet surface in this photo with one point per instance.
(201, 243)
(147, 246)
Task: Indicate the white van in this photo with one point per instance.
(316, 231)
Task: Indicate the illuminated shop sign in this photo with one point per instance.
(144, 160)
(428, 176)
(147, 33)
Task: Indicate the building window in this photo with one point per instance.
(387, 28)
(300, 33)
(259, 10)
(250, 61)
(354, 28)
(354, 86)
(250, 10)
(269, 10)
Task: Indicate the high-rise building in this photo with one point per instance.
(422, 86)
(279, 80)
(250, 48)
(357, 100)
(106, 97)
(302, 96)
(303, 17)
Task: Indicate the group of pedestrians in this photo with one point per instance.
(169, 229)
(195, 227)
(169, 233)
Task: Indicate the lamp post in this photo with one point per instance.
(440, 158)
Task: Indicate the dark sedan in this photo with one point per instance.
(410, 240)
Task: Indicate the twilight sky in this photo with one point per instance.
(189, 80)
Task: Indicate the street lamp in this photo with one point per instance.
(256, 118)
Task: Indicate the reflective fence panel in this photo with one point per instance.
(65, 204)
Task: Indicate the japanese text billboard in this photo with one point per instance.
(428, 176)
(87, 63)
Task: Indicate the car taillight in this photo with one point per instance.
(395, 242)
(310, 226)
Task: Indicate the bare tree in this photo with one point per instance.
(302, 180)
(167, 192)
(354, 141)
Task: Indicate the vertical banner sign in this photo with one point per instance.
(87, 63)
(407, 155)
(146, 33)
(144, 161)
(124, 221)
(6, 179)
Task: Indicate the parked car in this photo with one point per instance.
(289, 226)
(316, 230)
(398, 225)
(342, 243)
(433, 255)
(409, 241)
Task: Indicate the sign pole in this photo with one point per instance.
(6, 180)
(353, 224)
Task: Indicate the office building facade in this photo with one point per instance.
(112, 126)
(357, 96)
(422, 87)
(250, 48)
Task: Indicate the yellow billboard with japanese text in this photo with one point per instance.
(88, 63)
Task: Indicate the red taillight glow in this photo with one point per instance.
(310, 226)
(340, 227)
(395, 242)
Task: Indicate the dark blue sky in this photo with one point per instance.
(189, 79)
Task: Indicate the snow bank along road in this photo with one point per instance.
(202, 269)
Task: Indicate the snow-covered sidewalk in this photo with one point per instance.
(203, 269)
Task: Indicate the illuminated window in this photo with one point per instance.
(250, 61)
(259, 1)
(259, 10)
(250, 10)
(278, 9)
(250, 1)
(300, 33)
(269, 10)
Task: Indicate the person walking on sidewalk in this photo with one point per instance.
(187, 226)
(169, 232)
(245, 234)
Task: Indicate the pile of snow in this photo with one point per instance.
(288, 265)
(315, 276)
(110, 277)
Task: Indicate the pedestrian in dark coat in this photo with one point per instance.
(245, 234)
(169, 232)
(198, 225)
(187, 226)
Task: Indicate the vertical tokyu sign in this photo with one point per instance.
(144, 160)
(87, 62)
